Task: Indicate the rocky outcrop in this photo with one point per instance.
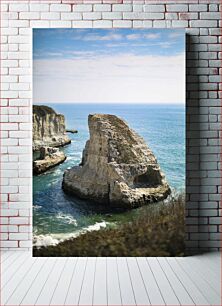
(49, 157)
(48, 128)
(117, 168)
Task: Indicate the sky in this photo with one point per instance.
(109, 65)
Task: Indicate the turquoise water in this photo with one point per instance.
(57, 214)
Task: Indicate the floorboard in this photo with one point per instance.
(86, 294)
(126, 289)
(194, 280)
(48, 290)
(73, 294)
(63, 284)
(100, 282)
(188, 282)
(113, 284)
(153, 290)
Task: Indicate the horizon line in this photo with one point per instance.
(184, 102)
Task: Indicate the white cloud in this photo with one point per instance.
(123, 78)
(133, 36)
(142, 36)
(152, 36)
(94, 37)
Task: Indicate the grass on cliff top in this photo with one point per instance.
(160, 233)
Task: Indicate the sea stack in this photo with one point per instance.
(117, 169)
(48, 128)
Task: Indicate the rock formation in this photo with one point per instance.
(48, 128)
(117, 168)
(49, 157)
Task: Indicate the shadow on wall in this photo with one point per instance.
(192, 147)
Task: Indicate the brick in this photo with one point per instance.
(171, 16)
(4, 7)
(18, 7)
(92, 15)
(204, 31)
(215, 220)
(19, 118)
(9, 31)
(154, 8)
(9, 142)
(112, 15)
(25, 244)
(36, 7)
(18, 236)
(213, 7)
(19, 55)
(180, 23)
(137, 8)
(177, 8)
(102, 23)
(207, 15)
(71, 16)
(122, 8)
(9, 173)
(102, 7)
(215, 78)
(208, 39)
(18, 102)
(187, 16)
(9, 244)
(197, 7)
(82, 24)
(9, 212)
(19, 39)
(9, 63)
(29, 15)
(215, 63)
(39, 24)
(135, 15)
(19, 220)
(207, 55)
(215, 236)
(18, 23)
(203, 23)
(216, 31)
(13, 47)
(82, 8)
(139, 23)
(122, 23)
(60, 24)
(24, 229)
(52, 15)
(60, 8)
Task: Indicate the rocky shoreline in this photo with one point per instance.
(49, 158)
(118, 169)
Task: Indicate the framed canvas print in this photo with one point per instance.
(108, 142)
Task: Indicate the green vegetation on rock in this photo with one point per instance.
(156, 232)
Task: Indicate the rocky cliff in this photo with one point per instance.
(48, 128)
(117, 169)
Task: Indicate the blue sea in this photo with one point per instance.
(57, 215)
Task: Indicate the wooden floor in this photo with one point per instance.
(110, 281)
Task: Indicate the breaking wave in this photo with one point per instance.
(53, 239)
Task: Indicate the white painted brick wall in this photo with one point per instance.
(201, 18)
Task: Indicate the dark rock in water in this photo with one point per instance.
(117, 169)
(48, 128)
(72, 131)
(49, 157)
